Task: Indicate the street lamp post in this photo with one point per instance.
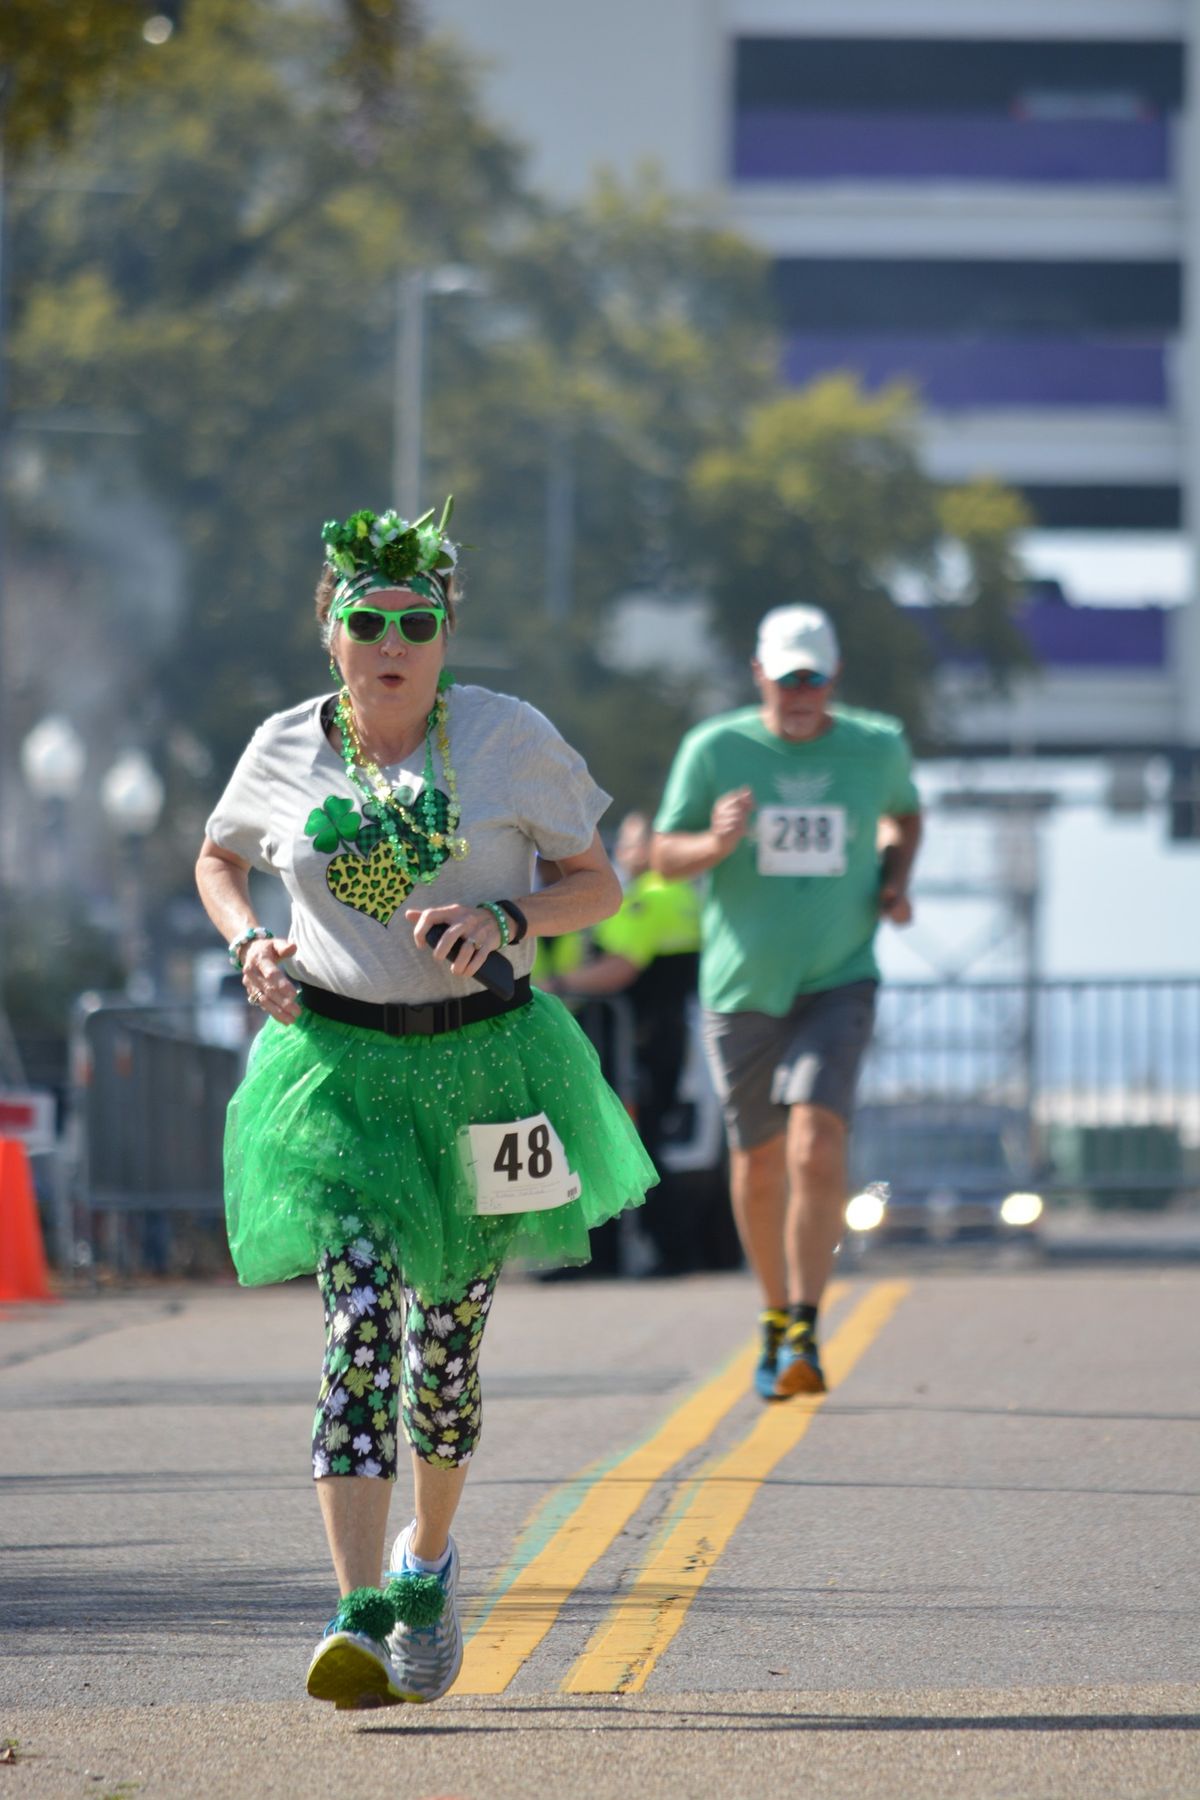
(560, 521)
(414, 287)
(408, 393)
(132, 797)
(53, 760)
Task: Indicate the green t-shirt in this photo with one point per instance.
(657, 918)
(794, 908)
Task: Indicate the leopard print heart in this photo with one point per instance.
(370, 884)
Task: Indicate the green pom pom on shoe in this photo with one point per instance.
(416, 1600)
(410, 1599)
(366, 1611)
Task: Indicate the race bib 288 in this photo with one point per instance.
(802, 840)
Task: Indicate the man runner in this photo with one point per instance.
(805, 818)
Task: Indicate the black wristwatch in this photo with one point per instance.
(518, 918)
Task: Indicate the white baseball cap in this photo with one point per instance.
(797, 637)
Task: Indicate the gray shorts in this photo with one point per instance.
(811, 1057)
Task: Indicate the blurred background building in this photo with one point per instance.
(997, 203)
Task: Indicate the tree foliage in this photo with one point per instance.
(641, 329)
(235, 296)
(232, 297)
(51, 955)
(57, 59)
(820, 497)
(62, 58)
(632, 330)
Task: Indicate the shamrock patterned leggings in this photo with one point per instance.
(388, 1354)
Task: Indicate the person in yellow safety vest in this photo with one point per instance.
(555, 960)
(649, 951)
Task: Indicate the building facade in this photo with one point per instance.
(998, 200)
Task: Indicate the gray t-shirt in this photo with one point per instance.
(291, 810)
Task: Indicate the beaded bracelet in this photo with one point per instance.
(238, 944)
(493, 907)
(518, 918)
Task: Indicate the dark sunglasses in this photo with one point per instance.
(802, 678)
(368, 624)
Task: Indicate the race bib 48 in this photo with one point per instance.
(517, 1167)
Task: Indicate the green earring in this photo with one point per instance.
(335, 672)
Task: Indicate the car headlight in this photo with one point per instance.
(1022, 1209)
(865, 1211)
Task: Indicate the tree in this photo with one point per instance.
(253, 344)
(632, 330)
(820, 497)
(56, 60)
(636, 330)
(231, 297)
(51, 956)
(62, 58)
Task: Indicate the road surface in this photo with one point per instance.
(971, 1570)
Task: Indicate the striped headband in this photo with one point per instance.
(353, 588)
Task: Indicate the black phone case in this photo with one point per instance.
(496, 973)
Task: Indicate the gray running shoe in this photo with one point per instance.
(426, 1646)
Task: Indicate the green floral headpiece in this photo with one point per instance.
(382, 550)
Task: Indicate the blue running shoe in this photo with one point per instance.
(798, 1369)
(773, 1325)
(426, 1645)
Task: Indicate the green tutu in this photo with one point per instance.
(337, 1131)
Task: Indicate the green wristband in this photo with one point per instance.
(238, 944)
(500, 916)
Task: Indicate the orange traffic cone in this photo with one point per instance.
(22, 1254)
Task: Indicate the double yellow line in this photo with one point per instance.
(626, 1647)
(557, 1552)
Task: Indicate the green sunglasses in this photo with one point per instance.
(368, 624)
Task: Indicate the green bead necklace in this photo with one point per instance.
(421, 816)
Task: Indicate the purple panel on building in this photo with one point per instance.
(1037, 370)
(775, 145)
(1089, 637)
(1063, 636)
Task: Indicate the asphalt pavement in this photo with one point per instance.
(970, 1570)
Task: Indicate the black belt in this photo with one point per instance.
(400, 1019)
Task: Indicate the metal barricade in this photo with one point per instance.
(150, 1088)
(1098, 1083)
(607, 1021)
(694, 1140)
(1101, 1078)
